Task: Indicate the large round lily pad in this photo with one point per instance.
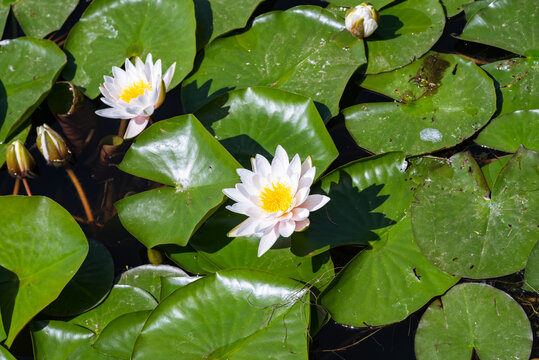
(474, 318)
(235, 313)
(385, 283)
(42, 248)
(28, 69)
(110, 31)
(442, 100)
(39, 18)
(367, 196)
(511, 130)
(255, 120)
(148, 277)
(469, 230)
(302, 50)
(178, 152)
(506, 24)
(56, 340)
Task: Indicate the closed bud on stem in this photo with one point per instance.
(19, 161)
(362, 20)
(52, 146)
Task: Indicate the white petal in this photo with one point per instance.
(268, 239)
(139, 65)
(135, 127)
(301, 195)
(315, 202)
(129, 67)
(301, 225)
(307, 164)
(280, 163)
(245, 208)
(294, 169)
(167, 78)
(235, 195)
(113, 113)
(286, 228)
(149, 58)
(299, 214)
(307, 179)
(246, 228)
(263, 166)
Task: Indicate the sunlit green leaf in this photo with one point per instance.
(56, 340)
(378, 4)
(255, 120)
(42, 248)
(234, 313)
(467, 229)
(178, 152)
(442, 100)
(385, 283)
(454, 7)
(110, 31)
(148, 277)
(303, 50)
(170, 283)
(39, 18)
(492, 170)
(5, 355)
(474, 318)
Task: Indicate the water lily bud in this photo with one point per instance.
(52, 146)
(362, 20)
(19, 161)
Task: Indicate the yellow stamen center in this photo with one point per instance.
(134, 90)
(276, 197)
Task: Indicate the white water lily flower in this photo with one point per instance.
(275, 197)
(362, 20)
(134, 93)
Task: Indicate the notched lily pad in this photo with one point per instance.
(56, 340)
(442, 100)
(39, 18)
(180, 153)
(148, 277)
(467, 229)
(474, 318)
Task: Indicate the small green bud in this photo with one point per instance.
(52, 146)
(19, 161)
(362, 20)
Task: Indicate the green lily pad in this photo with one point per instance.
(255, 120)
(505, 24)
(56, 340)
(442, 100)
(87, 352)
(39, 18)
(213, 247)
(110, 31)
(178, 152)
(234, 313)
(511, 130)
(474, 318)
(4, 13)
(407, 30)
(302, 50)
(89, 286)
(118, 338)
(42, 248)
(385, 283)
(367, 196)
(122, 299)
(454, 7)
(5, 355)
(493, 169)
(516, 82)
(531, 276)
(28, 69)
(217, 17)
(148, 277)
(467, 229)
(378, 4)
(169, 284)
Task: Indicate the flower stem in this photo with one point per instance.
(26, 187)
(83, 198)
(123, 127)
(16, 186)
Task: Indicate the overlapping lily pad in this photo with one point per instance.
(378, 4)
(169, 284)
(42, 248)
(215, 251)
(454, 7)
(255, 120)
(232, 313)
(148, 277)
(39, 18)
(28, 69)
(492, 170)
(442, 100)
(385, 283)
(180, 153)
(56, 340)
(122, 299)
(217, 17)
(506, 24)
(474, 318)
(302, 50)
(511, 130)
(531, 278)
(367, 196)
(469, 230)
(110, 31)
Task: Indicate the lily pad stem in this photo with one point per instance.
(123, 127)
(16, 186)
(26, 187)
(82, 197)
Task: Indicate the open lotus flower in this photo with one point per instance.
(135, 93)
(362, 20)
(275, 197)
